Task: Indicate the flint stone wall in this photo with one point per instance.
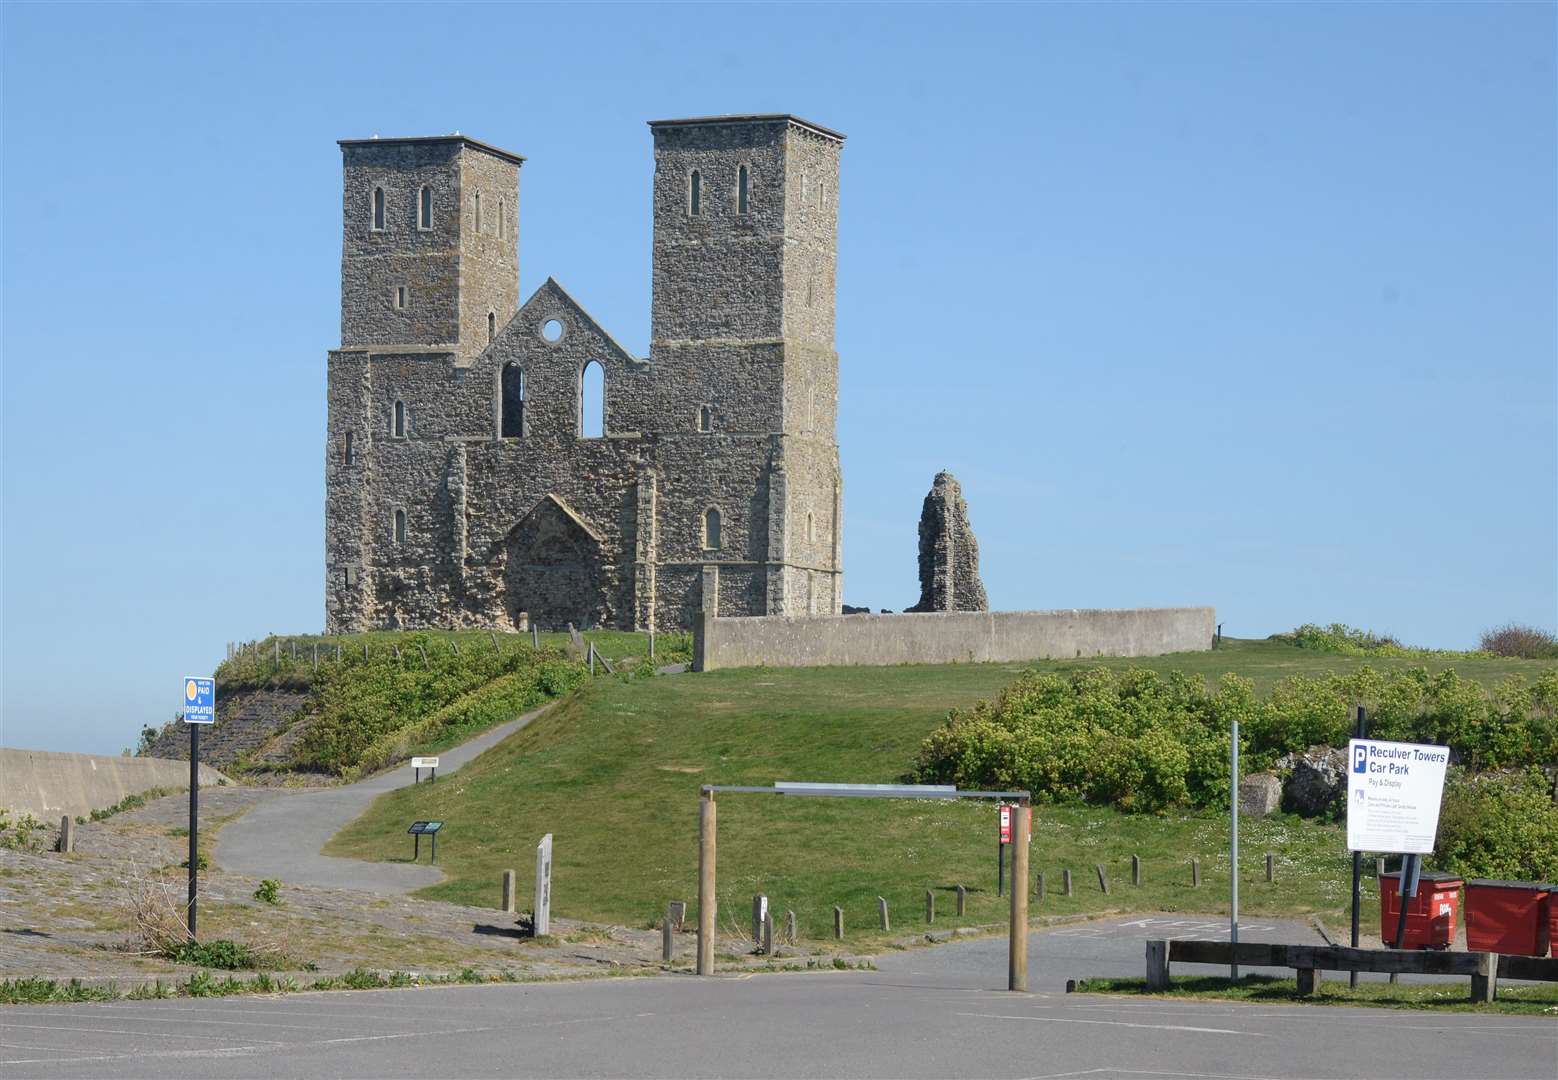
(947, 637)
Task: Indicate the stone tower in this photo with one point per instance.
(949, 554)
(742, 322)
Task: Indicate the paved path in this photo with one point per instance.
(905, 1020)
(281, 838)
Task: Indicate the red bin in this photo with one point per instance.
(1506, 917)
(1552, 918)
(1430, 914)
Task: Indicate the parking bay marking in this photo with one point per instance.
(1118, 1023)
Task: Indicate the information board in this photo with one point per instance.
(1393, 793)
(199, 700)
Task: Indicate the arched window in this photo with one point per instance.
(741, 190)
(592, 401)
(478, 211)
(695, 193)
(512, 391)
(400, 526)
(705, 418)
(378, 208)
(502, 218)
(711, 529)
(398, 425)
(492, 325)
(425, 208)
(348, 451)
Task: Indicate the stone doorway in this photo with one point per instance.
(554, 568)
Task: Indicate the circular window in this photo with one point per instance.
(552, 330)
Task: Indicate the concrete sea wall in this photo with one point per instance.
(48, 784)
(948, 637)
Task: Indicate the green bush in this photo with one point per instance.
(1523, 642)
(1350, 641)
(1498, 825)
(269, 891)
(223, 953)
(1144, 741)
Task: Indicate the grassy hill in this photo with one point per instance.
(613, 773)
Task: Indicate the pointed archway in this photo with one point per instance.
(554, 568)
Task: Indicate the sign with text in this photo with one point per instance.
(1006, 824)
(424, 763)
(542, 924)
(199, 700)
(1393, 792)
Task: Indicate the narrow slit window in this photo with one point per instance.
(478, 212)
(492, 325)
(741, 190)
(400, 526)
(822, 195)
(811, 527)
(695, 193)
(711, 529)
(400, 296)
(592, 401)
(348, 451)
(398, 425)
(425, 208)
(705, 418)
(378, 209)
(502, 219)
(512, 423)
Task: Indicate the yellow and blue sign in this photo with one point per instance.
(199, 700)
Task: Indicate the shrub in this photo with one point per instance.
(1350, 641)
(1522, 642)
(222, 953)
(1498, 825)
(269, 891)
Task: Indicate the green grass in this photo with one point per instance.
(1529, 999)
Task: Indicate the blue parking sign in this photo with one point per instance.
(199, 700)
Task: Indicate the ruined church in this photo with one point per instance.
(490, 462)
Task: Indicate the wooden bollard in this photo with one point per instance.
(1195, 872)
(665, 939)
(759, 909)
(962, 900)
(838, 923)
(768, 933)
(1135, 869)
(1103, 882)
(535, 636)
(1157, 965)
(930, 906)
(678, 913)
(508, 891)
(67, 842)
(881, 909)
(790, 936)
(1270, 868)
(1065, 882)
(1039, 887)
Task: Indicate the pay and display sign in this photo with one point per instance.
(1393, 792)
(199, 700)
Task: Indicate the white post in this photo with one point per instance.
(1233, 834)
(543, 905)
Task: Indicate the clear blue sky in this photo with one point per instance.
(1251, 306)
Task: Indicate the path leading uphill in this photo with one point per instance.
(282, 837)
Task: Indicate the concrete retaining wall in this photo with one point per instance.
(48, 784)
(948, 637)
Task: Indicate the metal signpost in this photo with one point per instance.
(1357, 861)
(1393, 795)
(199, 710)
(1233, 833)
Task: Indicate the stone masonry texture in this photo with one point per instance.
(463, 484)
(949, 554)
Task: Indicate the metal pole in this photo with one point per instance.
(1000, 865)
(706, 827)
(1362, 732)
(1408, 879)
(1233, 834)
(1017, 959)
(194, 821)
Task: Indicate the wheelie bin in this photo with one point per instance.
(1430, 914)
(1508, 917)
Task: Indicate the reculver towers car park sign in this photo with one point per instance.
(1393, 792)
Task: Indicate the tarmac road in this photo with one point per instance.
(927, 1013)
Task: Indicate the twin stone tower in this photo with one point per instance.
(488, 459)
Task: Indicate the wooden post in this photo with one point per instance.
(276, 652)
(1308, 981)
(365, 652)
(294, 648)
(790, 936)
(454, 646)
(425, 665)
(665, 939)
(1065, 882)
(1484, 984)
(508, 891)
(535, 636)
(838, 923)
(493, 635)
(962, 900)
(930, 906)
(1195, 873)
(881, 909)
(706, 828)
(678, 913)
(768, 933)
(592, 658)
(651, 646)
(1041, 885)
(1157, 965)
(1135, 869)
(67, 842)
(759, 909)
(1017, 951)
(316, 656)
(1103, 882)
(1270, 868)
(337, 652)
